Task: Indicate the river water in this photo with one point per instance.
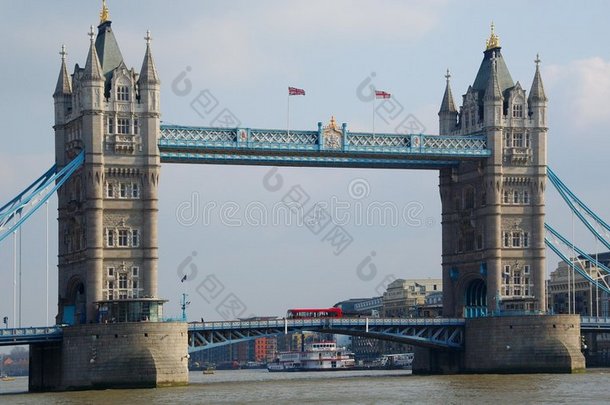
(342, 387)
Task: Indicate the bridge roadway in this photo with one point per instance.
(439, 333)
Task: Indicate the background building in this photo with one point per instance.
(403, 298)
(575, 294)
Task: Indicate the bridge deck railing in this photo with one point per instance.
(325, 323)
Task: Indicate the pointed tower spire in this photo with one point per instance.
(493, 91)
(148, 73)
(537, 90)
(447, 104)
(93, 69)
(64, 84)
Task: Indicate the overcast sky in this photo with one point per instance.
(246, 53)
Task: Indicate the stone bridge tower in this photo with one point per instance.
(493, 211)
(108, 209)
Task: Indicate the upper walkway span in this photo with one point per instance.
(328, 146)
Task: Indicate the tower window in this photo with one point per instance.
(135, 190)
(527, 140)
(123, 190)
(526, 197)
(110, 271)
(123, 281)
(518, 140)
(135, 271)
(136, 126)
(518, 111)
(109, 190)
(135, 238)
(123, 126)
(122, 93)
(123, 238)
(515, 197)
(109, 238)
(506, 239)
(506, 197)
(516, 239)
(526, 239)
(507, 140)
(110, 125)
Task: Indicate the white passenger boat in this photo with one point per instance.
(321, 356)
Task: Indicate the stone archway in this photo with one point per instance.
(75, 307)
(475, 299)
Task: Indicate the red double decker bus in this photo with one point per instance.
(301, 313)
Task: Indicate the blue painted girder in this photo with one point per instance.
(442, 333)
(246, 146)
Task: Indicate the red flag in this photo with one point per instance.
(293, 91)
(382, 94)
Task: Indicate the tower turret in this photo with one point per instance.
(62, 97)
(447, 113)
(537, 101)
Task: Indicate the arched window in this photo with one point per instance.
(506, 197)
(526, 197)
(122, 93)
(518, 111)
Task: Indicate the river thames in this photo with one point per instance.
(342, 387)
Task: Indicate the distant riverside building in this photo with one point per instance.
(433, 306)
(361, 306)
(265, 349)
(403, 297)
(364, 349)
(587, 299)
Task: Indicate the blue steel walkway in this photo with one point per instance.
(335, 148)
(441, 333)
(25, 336)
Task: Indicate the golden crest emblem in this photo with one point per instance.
(333, 136)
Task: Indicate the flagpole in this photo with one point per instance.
(288, 114)
(374, 105)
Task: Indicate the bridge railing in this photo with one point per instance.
(30, 331)
(325, 323)
(174, 138)
(594, 320)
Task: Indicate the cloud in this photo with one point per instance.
(582, 86)
(271, 37)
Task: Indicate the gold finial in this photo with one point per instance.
(333, 122)
(494, 40)
(104, 14)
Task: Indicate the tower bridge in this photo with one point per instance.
(492, 163)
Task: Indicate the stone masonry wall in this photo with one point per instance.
(513, 344)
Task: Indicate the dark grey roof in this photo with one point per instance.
(537, 91)
(107, 48)
(64, 84)
(447, 104)
(148, 74)
(505, 81)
